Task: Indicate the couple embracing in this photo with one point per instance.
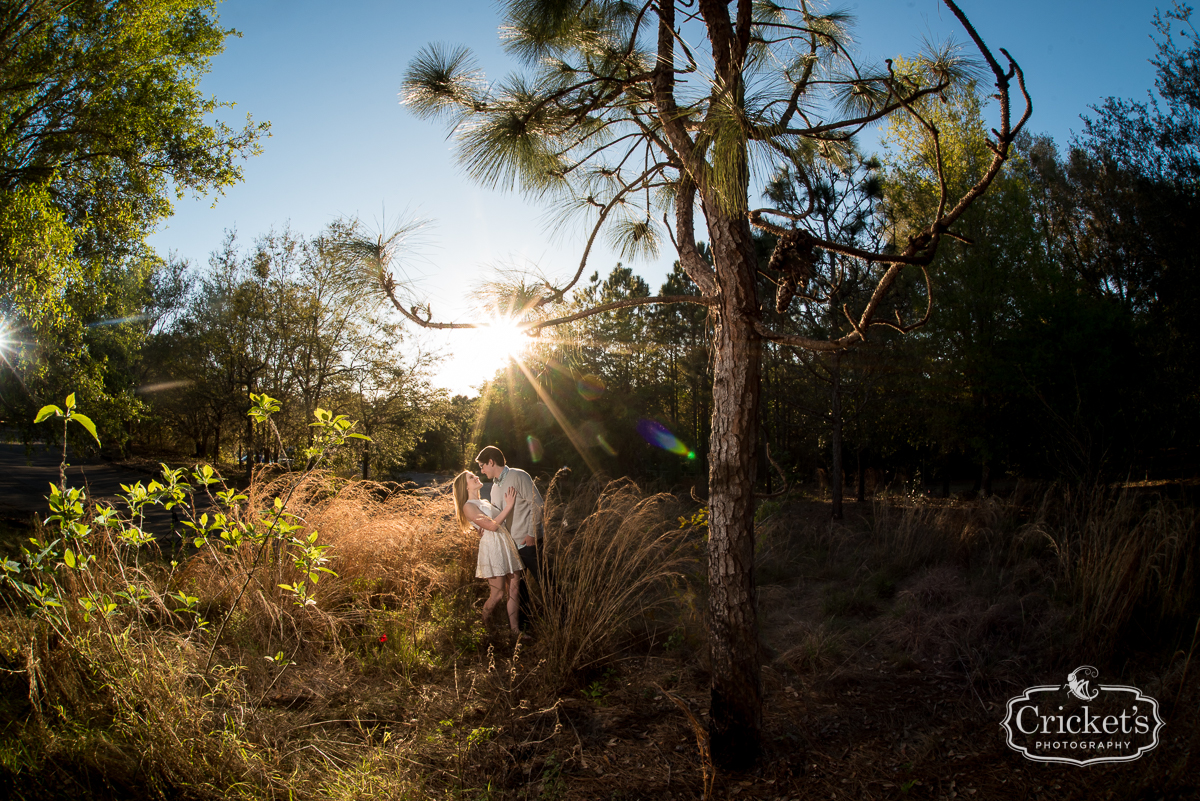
(509, 525)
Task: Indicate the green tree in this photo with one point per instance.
(626, 125)
(837, 200)
(1119, 209)
(277, 319)
(449, 442)
(617, 345)
(969, 378)
(618, 378)
(102, 122)
(396, 405)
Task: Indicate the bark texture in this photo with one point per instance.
(736, 710)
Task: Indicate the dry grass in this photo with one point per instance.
(1120, 556)
(316, 699)
(911, 533)
(393, 554)
(994, 587)
(135, 700)
(890, 639)
(610, 555)
(124, 716)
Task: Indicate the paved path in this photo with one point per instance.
(25, 481)
(427, 483)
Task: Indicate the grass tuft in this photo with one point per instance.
(611, 555)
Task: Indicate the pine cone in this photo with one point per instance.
(781, 255)
(784, 293)
(794, 257)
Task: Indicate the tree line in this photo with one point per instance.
(280, 319)
(1063, 342)
(1062, 345)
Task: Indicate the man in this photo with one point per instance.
(525, 520)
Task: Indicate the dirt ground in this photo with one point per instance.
(867, 733)
(868, 729)
(898, 693)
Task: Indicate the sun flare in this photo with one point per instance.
(476, 356)
(505, 338)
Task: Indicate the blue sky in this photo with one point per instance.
(327, 76)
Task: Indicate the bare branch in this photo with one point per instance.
(900, 325)
(763, 496)
(807, 343)
(689, 257)
(664, 92)
(846, 311)
(627, 303)
(768, 131)
(557, 294)
(1016, 68)
(414, 314)
(1001, 78)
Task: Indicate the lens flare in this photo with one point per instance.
(535, 448)
(590, 386)
(658, 435)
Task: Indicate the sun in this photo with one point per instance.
(475, 356)
(505, 338)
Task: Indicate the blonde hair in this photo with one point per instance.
(460, 499)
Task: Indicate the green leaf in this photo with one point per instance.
(71, 401)
(359, 436)
(69, 558)
(87, 423)
(47, 411)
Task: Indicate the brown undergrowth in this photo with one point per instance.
(890, 642)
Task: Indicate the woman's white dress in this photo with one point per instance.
(497, 552)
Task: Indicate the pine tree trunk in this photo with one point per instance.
(736, 710)
(835, 414)
(861, 497)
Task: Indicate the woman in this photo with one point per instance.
(498, 561)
